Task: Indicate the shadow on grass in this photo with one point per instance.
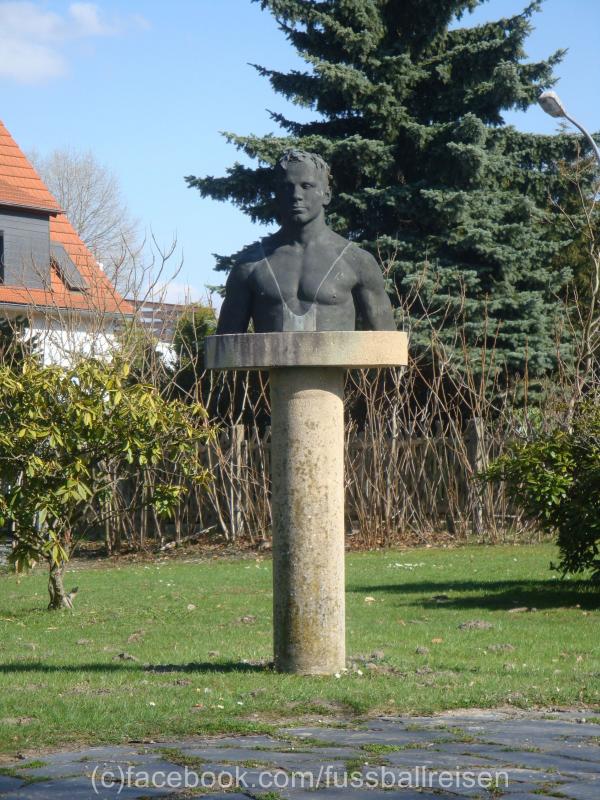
(203, 667)
(494, 595)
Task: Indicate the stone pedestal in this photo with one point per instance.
(308, 518)
(306, 372)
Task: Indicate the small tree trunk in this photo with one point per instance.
(107, 529)
(58, 597)
(144, 512)
(477, 459)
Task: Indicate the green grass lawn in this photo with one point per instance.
(163, 649)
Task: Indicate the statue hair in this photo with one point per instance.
(301, 156)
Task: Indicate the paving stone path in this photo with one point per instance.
(485, 754)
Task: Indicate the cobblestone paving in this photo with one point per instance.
(485, 754)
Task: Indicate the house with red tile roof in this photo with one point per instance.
(47, 274)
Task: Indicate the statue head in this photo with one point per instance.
(302, 185)
(294, 156)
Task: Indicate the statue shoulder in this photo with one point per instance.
(246, 259)
(362, 260)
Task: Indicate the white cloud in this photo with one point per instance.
(27, 62)
(26, 22)
(32, 37)
(87, 20)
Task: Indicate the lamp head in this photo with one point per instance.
(551, 104)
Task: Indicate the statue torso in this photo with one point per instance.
(297, 287)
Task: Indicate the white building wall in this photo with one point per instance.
(63, 340)
(65, 336)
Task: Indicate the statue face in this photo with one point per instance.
(302, 193)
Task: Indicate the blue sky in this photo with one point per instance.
(148, 86)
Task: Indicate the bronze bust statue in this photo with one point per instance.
(304, 277)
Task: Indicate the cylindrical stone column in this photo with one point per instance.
(307, 474)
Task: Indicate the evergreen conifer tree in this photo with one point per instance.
(408, 112)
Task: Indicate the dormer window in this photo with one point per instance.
(66, 269)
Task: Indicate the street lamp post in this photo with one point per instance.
(552, 105)
(588, 346)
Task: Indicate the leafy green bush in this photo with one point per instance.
(66, 434)
(556, 479)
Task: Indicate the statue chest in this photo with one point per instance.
(301, 281)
